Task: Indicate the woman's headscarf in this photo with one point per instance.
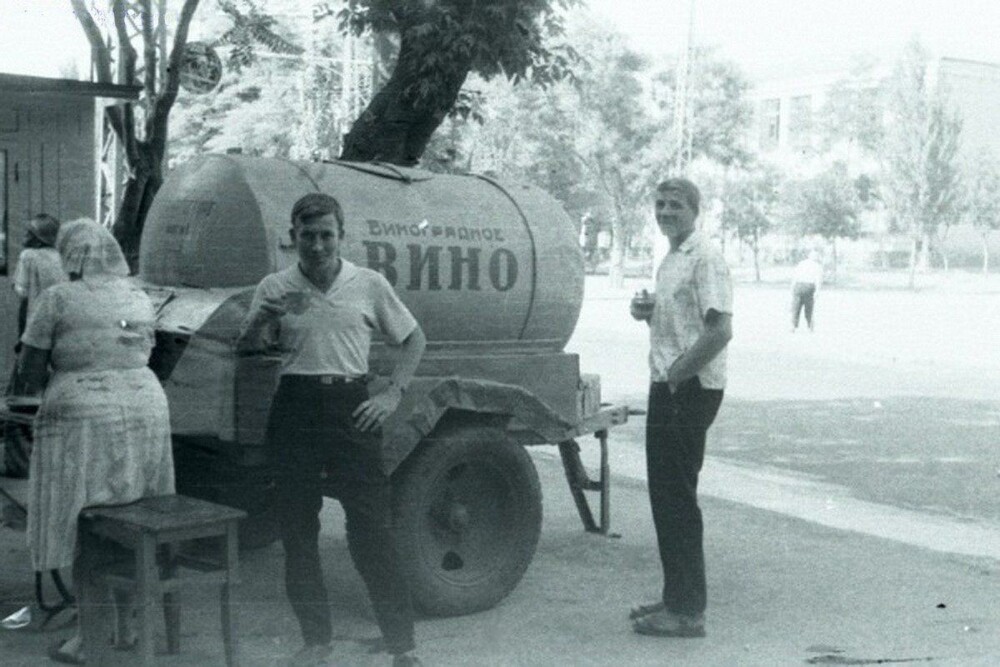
(89, 250)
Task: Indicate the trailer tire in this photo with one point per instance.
(468, 512)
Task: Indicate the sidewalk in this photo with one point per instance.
(782, 591)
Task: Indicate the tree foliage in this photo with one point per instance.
(750, 199)
(854, 109)
(827, 205)
(440, 42)
(982, 201)
(920, 170)
(720, 110)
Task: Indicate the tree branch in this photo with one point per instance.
(102, 58)
(160, 111)
(149, 49)
(127, 72)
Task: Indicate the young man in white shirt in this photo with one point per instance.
(323, 435)
(806, 281)
(690, 324)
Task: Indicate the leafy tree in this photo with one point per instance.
(854, 109)
(982, 201)
(582, 142)
(828, 205)
(720, 111)
(144, 147)
(920, 169)
(751, 197)
(440, 43)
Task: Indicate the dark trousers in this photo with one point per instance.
(676, 425)
(316, 451)
(803, 297)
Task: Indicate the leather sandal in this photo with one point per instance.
(645, 609)
(665, 624)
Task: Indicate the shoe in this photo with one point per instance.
(636, 613)
(311, 655)
(668, 624)
(405, 660)
(68, 651)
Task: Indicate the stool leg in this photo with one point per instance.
(147, 578)
(172, 604)
(229, 638)
(93, 603)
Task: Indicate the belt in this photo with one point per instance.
(328, 379)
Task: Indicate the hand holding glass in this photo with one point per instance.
(641, 307)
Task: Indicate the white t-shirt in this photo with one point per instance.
(331, 333)
(808, 272)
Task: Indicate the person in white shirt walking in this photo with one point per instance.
(806, 281)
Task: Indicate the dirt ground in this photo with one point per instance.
(892, 400)
(782, 592)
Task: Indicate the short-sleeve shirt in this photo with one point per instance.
(37, 270)
(93, 325)
(808, 272)
(331, 333)
(690, 281)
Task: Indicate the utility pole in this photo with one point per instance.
(683, 134)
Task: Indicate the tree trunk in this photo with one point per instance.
(137, 198)
(756, 256)
(925, 253)
(986, 255)
(397, 124)
(833, 245)
(616, 268)
(914, 247)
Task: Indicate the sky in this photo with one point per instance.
(767, 37)
(798, 37)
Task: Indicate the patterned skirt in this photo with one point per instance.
(101, 438)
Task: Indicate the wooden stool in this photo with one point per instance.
(143, 527)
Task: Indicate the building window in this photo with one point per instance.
(770, 123)
(800, 121)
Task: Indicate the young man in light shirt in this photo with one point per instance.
(323, 435)
(806, 281)
(690, 324)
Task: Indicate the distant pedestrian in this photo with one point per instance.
(38, 268)
(690, 325)
(806, 281)
(38, 265)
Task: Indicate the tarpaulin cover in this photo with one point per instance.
(430, 398)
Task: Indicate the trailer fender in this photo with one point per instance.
(528, 418)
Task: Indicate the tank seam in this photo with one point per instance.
(534, 257)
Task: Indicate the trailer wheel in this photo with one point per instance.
(468, 510)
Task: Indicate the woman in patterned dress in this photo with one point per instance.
(102, 434)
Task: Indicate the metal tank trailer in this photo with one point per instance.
(492, 272)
